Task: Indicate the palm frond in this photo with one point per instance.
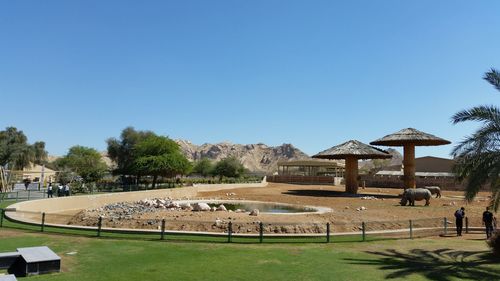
(482, 113)
(493, 77)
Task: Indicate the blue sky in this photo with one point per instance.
(310, 73)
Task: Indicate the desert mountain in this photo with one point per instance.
(258, 158)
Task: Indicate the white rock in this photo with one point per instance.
(363, 208)
(186, 206)
(201, 207)
(218, 222)
(221, 208)
(213, 209)
(254, 212)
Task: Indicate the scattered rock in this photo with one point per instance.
(201, 207)
(221, 208)
(254, 212)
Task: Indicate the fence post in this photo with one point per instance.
(17, 196)
(327, 232)
(162, 229)
(411, 229)
(466, 225)
(43, 221)
(29, 192)
(99, 225)
(229, 232)
(363, 229)
(2, 213)
(261, 232)
(445, 224)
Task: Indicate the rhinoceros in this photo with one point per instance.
(434, 190)
(416, 194)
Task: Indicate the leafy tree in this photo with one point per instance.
(203, 167)
(17, 153)
(478, 155)
(121, 151)
(159, 156)
(229, 167)
(85, 162)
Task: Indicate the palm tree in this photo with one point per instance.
(478, 155)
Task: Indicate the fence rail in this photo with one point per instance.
(232, 231)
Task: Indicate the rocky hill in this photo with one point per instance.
(258, 158)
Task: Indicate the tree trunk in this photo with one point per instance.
(155, 177)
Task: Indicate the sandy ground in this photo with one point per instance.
(381, 213)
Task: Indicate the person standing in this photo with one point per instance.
(49, 191)
(459, 220)
(66, 190)
(60, 191)
(488, 220)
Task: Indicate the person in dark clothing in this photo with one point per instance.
(488, 221)
(50, 192)
(459, 220)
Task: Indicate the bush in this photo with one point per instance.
(494, 243)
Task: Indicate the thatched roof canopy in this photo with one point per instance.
(353, 148)
(410, 136)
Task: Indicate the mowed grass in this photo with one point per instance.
(85, 258)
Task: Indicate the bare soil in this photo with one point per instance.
(382, 213)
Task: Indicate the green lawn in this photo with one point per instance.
(123, 259)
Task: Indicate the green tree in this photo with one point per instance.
(203, 167)
(122, 151)
(85, 162)
(229, 167)
(159, 156)
(17, 153)
(478, 155)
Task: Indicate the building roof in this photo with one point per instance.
(311, 163)
(353, 148)
(417, 174)
(410, 136)
(38, 254)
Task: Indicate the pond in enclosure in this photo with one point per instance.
(264, 207)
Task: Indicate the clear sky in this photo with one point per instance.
(310, 73)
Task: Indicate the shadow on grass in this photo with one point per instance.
(439, 265)
(333, 193)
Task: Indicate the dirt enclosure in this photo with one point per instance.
(379, 207)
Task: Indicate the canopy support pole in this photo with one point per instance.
(351, 175)
(409, 166)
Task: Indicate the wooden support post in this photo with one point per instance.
(29, 192)
(261, 232)
(363, 231)
(43, 221)
(162, 236)
(467, 225)
(17, 196)
(411, 229)
(2, 214)
(409, 166)
(229, 232)
(99, 226)
(445, 226)
(327, 232)
(351, 175)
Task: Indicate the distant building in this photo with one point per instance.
(34, 173)
(429, 171)
(434, 164)
(309, 171)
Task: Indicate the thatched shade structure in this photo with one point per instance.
(352, 151)
(409, 138)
